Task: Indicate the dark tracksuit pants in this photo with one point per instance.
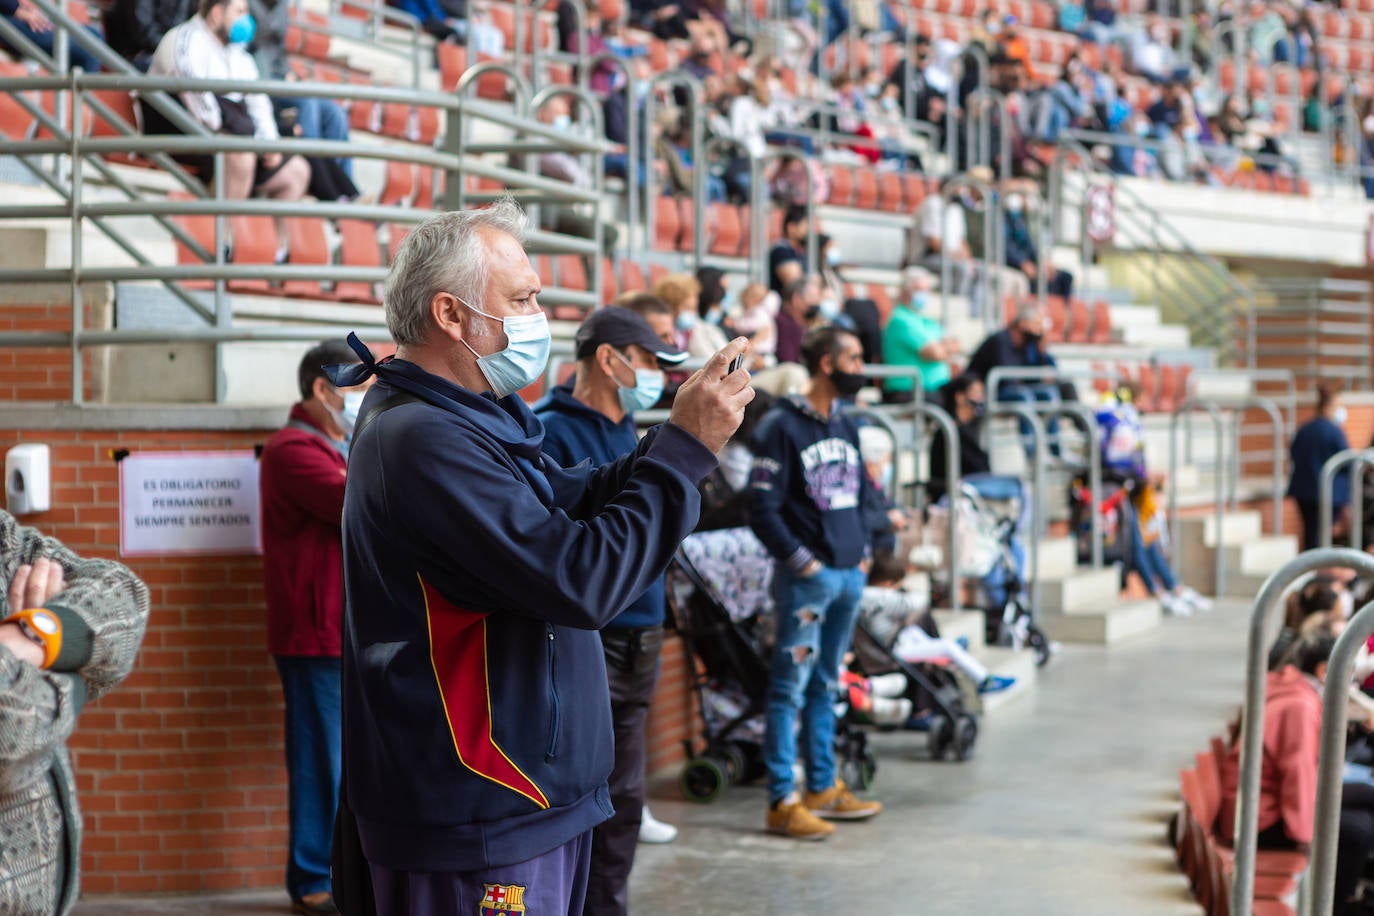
(631, 670)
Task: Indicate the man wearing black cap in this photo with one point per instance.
(619, 371)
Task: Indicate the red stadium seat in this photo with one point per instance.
(572, 271)
(255, 243)
(667, 223)
(608, 288)
(309, 248)
(865, 189)
(1101, 323)
(632, 277)
(1079, 323)
(687, 220)
(359, 248)
(725, 230)
(841, 186)
(400, 184)
(890, 192)
(913, 190)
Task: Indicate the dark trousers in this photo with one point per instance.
(631, 670)
(1354, 846)
(313, 752)
(555, 882)
(1311, 524)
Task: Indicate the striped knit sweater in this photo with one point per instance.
(40, 825)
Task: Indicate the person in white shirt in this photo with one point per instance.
(942, 227)
(213, 44)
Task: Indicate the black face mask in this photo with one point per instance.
(811, 313)
(980, 408)
(847, 384)
(1032, 339)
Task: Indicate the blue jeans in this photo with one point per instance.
(313, 752)
(322, 119)
(77, 56)
(815, 620)
(1043, 392)
(1150, 561)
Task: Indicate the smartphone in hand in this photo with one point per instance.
(736, 364)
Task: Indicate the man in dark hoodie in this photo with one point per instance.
(477, 719)
(619, 371)
(809, 492)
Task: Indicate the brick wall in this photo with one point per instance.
(180, 770)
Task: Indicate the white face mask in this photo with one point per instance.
(1338, 415)
(562, 122)
(833, 255)
(525, 356)
(346, 417)
(1347, 604)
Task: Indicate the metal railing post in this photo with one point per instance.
(1210, 408)
(1326, 496)
(1263, 618)
(1039, 524)
(78, 300)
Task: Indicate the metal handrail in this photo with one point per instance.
(991, 234)
(399, 19)
(694, 89)
(1251, 741)
(1212, 409)
(635, 156)
(590, 107)
(1364, 457)
(1276, 425)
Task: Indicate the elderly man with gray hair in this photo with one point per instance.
(1021, 345)
(477, 718)
(913, 337)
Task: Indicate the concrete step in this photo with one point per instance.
(1201, 530)
(969, 624)
(1260, 557)
(1086, 591)
(1133, 315)
(1245, 585)
(1017, 663)
(1109, 625)
(1058, 558)
(1156, 337)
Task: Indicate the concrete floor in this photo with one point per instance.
(1062, 811)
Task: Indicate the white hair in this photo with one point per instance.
(913, 276)
(444, 254)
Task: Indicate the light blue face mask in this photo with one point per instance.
(525, 357)
(918, 302)
(685, 321)
(647, 390)
(243, 29)
(346, 417)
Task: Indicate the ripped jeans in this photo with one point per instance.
(815, 619)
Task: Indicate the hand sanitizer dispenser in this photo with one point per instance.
(27, 487)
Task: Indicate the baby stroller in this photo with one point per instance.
(988, 554)
(720, 599)
(1117, 511)
(952, 727)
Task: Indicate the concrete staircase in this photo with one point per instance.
(1082, 604)
(1248, 555)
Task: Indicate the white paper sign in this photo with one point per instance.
(189, 502)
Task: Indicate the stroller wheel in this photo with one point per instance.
(965, 737)
(1040, 645)
(941, 734)
(703, 779)
(858, 772)
(736, 763)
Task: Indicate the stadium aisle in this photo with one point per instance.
(1062, 812)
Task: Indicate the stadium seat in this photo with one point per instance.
(306, 240)
(359, 248)
(865, 189)
(399, 231)
(841, 185)
(746, 241)
(725, 230)
(1145, 400)
(1101, 323)
(1168, 396)
(667, 223)
(890, 192)
(453, 61)
(632, 277)
(572, 271)
(543, 265)
(657, 272)
(1079, 322)
(1056, 312)
(608, 284)
(255, 243)
(426, 123)
(400, 184)
(121, 104)
(201, 229)
(395, 120)
(686, 212)
(913, 190)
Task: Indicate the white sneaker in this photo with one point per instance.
(1198, 602)
(1175, 606)
(655, 831)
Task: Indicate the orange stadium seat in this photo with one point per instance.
(255, 242)
(725, 230)
(667, 223)
(572, 271)
(841, 186)
(1101, 323)
(608, 286)
(686, 213)
(890, 192)
(865, 189)
(632, 277)
(359, 248)
(306, 240)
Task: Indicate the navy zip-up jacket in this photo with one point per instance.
(1315, 442)
(574, 432)
(809, 490)
(476, 714)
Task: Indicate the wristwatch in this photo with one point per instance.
(42, 627)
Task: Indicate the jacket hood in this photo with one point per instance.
(1287, 682)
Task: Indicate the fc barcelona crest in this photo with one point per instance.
(502, 900)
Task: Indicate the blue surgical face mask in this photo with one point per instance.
(525, 357)
(686, 321)
(243, 29)
(647, 390)
(716, 315)
(346, 417)
(833, 255)
(830, 309)
(918, 302)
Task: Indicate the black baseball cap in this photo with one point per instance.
(621, 327)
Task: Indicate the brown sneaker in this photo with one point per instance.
(790, 818)
(839, 804)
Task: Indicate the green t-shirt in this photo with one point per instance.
(905, 335)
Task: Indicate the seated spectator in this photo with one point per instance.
(1022, 254)
(831, 282)
(316, 118)
(800, 311)
(889, 610)
(1318, 605)
(1288, 778)
(133, 28)
(787, 257)
(707, 335)
(674, 150)
(663, 19)
(1180, 156)
(569, 167)
(1268, 37)
(1151, 50)
(33, 25)
(1020, 345)
(1073, 16)
(756, 318)
(213, 45)
(913, 337)
(940, 234)
(435, 19)
(680, 292)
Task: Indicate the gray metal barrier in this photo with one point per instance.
(759, 207)
(1212, 410)
(990, 236)
(1362, 458)
(1276, 448)
(1039, 523)
(1263, 627)
(1321, 877)
(676, 79)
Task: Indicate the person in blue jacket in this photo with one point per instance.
(619, 371)
(1316, 441)
(809, 497)
(476, 714)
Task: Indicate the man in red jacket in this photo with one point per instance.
(302, 481)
